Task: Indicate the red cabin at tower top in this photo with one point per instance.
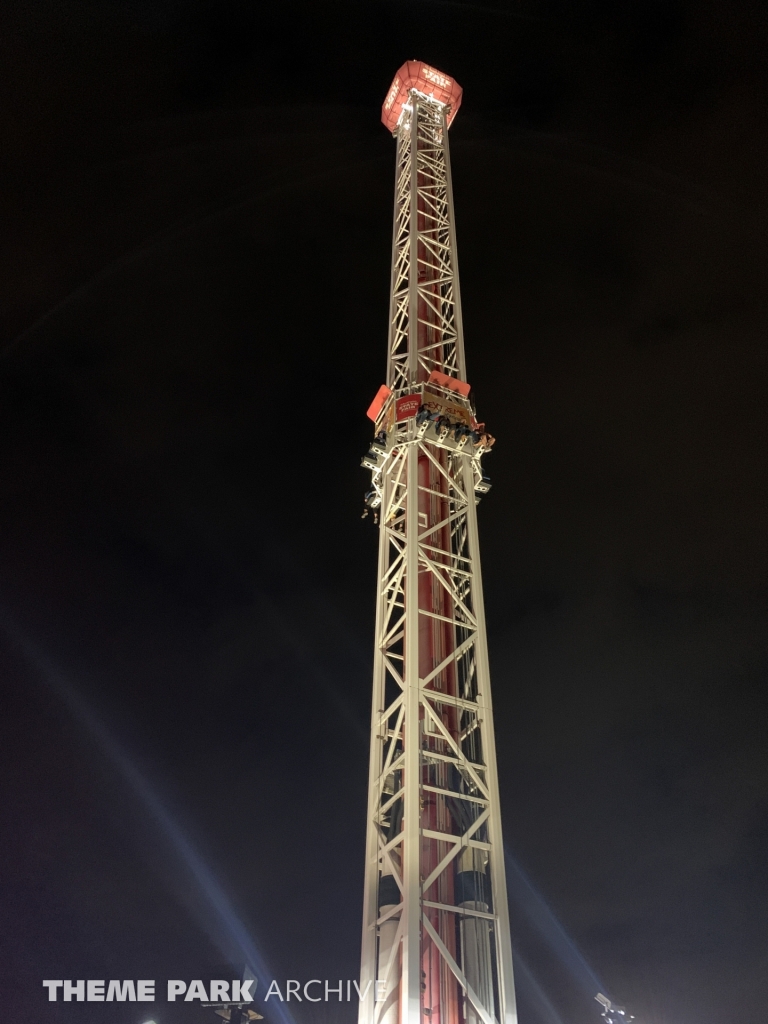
(415, 74)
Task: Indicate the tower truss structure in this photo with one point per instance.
(436, 944)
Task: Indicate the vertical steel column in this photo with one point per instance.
(371, 893)
(454, 256)
(410, 1006)
(495, 834)
(412, 127)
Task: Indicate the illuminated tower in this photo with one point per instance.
(611, 1013)
(436, 944)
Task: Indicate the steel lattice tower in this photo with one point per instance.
(436, 943)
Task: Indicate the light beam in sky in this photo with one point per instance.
(229, 932)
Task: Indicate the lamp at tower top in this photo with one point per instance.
(415, 74)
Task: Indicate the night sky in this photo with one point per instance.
(196, 204)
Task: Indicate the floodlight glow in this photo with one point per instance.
(229, 932)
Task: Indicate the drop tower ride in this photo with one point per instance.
(436, 946)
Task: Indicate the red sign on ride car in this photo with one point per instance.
(406, 407)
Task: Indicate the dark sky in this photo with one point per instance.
(196, 203)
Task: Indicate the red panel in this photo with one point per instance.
(461, 386)
(407, 406)
(378, 403)
(415, 74)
